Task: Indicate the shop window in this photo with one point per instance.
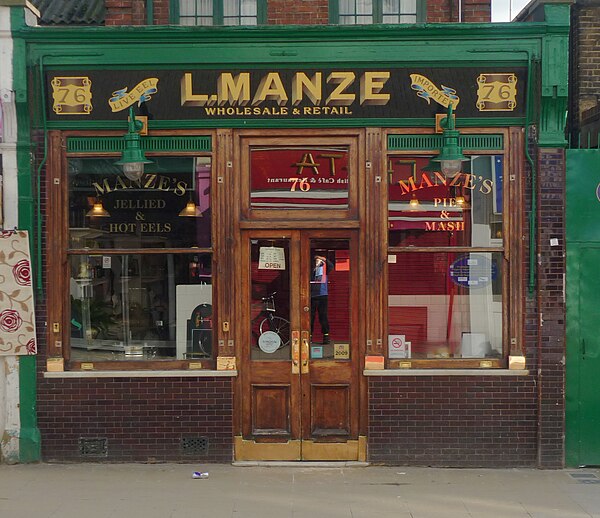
(359, 12)
(169, 207)
(140, 260)
(447, 264)
(428, 209)
(445, 305)
(307, 178)
(218, 12)
(140, 307)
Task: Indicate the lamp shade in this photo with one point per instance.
(98, 211)
(451, 156)
(190, 210)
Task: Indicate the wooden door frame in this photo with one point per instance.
(362, 218)
(301, 443)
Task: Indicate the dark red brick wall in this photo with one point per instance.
(586, 32)
(551, 304)
(459, 421)
(584, 72)
(301, 12)
(161, 12)
(125, 12)
(476, 11)
(143, 419)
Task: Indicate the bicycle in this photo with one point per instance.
(271, 322)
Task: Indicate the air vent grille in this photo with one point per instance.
(434, 142)
(93, 447)
(194, 445)
(172, 144)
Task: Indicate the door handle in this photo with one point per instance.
(583, 347)
(305, 352)
(295, 352)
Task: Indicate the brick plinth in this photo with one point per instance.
(143, 419)
(487, 421)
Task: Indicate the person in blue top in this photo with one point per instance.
(319, 294)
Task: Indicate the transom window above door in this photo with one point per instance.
(359, 12)
(218, 12)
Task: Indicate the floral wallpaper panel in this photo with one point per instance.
(17, 316)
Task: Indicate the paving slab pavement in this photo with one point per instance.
(301, 491)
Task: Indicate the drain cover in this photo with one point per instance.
(584, 477)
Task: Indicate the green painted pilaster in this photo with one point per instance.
(555, 73)
(29, 436)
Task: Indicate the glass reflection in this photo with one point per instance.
(299, 178)
(426, 208)
(169, 207)
(270, 300)
(330, 299)
(132, 306)
(445, 305)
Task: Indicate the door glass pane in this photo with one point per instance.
(445, 305)
(299, 178)
(428, 209)
(270, 299)
(330, 299)
(168, 207)
(141, 307)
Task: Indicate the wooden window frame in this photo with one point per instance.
(57, 252)
(511, 249)
(217, 16)
(377, 13)
(344, 218)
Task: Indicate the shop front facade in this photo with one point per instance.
(293, 276)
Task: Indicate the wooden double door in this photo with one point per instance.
(300, 397)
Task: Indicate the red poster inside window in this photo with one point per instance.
(342, 260)
(299, 178)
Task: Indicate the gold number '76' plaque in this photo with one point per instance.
(497, 92)
(72, 95)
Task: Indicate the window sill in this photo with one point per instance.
(447, 372)
(143, 374)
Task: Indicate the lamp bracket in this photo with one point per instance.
(439, 117)
(142, 127)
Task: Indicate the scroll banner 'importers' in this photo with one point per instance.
(427, 90)
(17, 315)
(142, 92)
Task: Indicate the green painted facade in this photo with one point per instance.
(539, 47)
(583, 283)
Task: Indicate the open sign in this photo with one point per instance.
(272, 266)
(271, 258)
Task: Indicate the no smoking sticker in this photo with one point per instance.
(398, 347)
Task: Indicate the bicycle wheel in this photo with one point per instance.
(278, 325)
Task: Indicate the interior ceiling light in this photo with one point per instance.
(190, 210)
(98, 211)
